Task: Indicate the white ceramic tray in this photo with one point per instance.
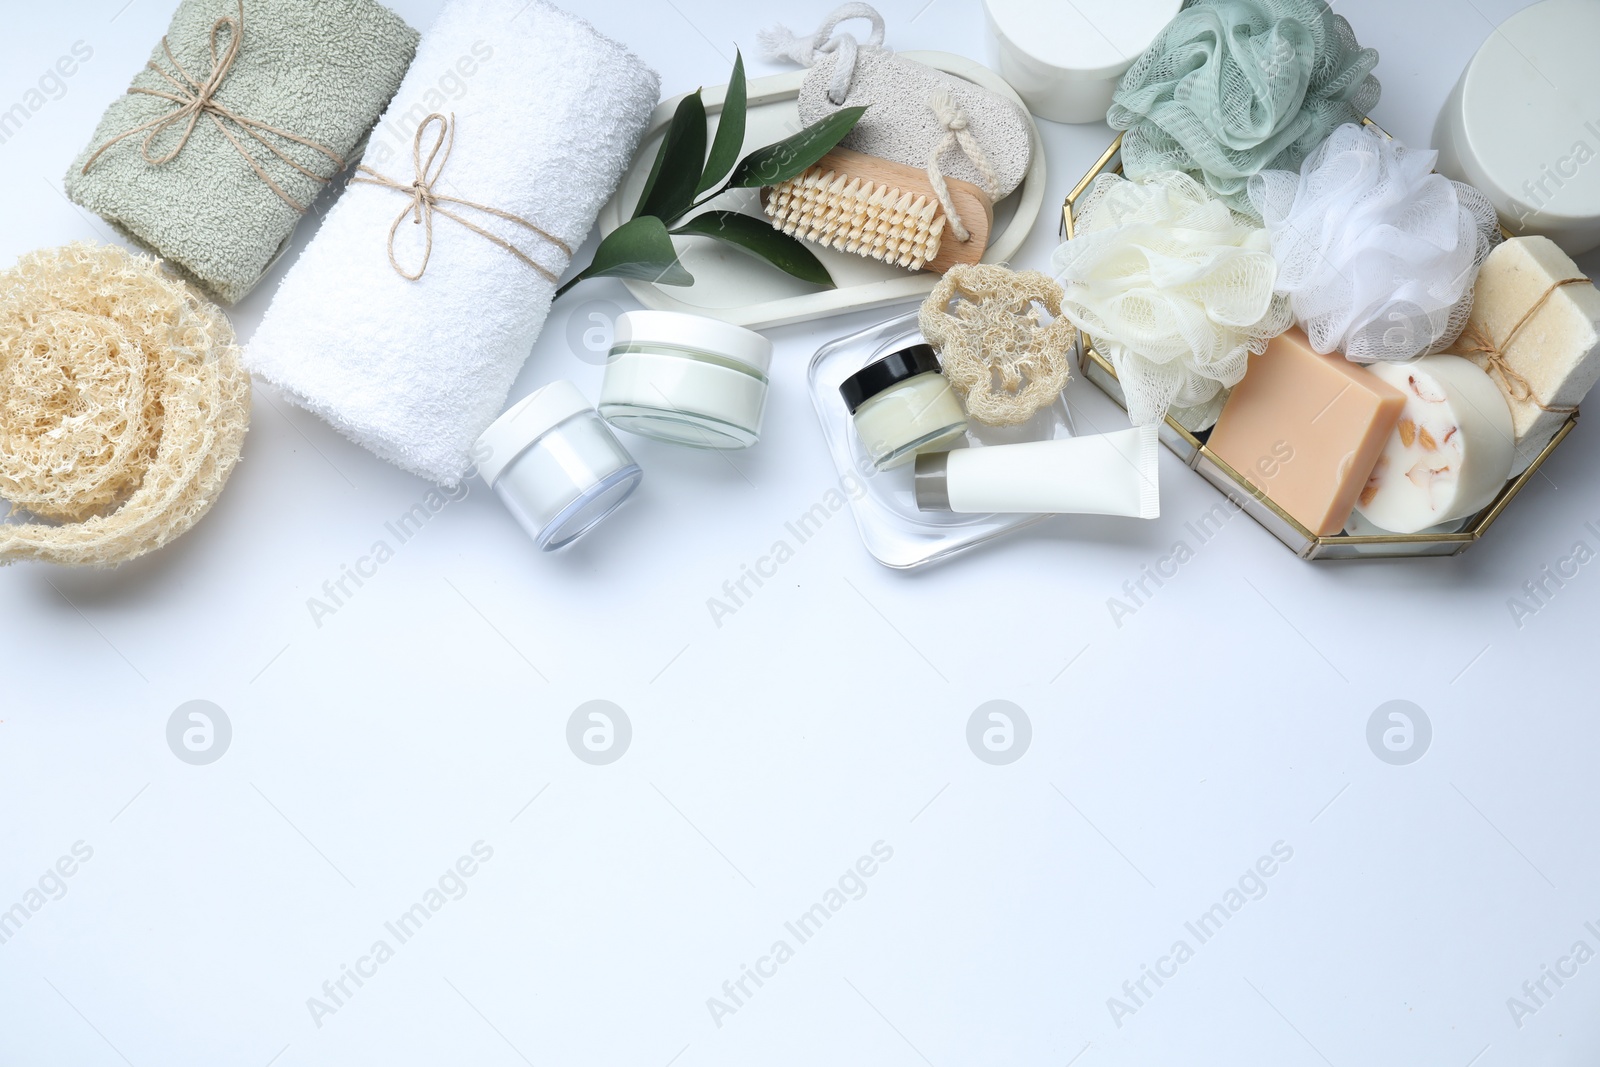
(736, 287)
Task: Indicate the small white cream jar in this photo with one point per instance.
(1065, 59)
(686, 379)
(902, 404)
(555, 465)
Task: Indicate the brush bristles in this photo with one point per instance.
(835, 210)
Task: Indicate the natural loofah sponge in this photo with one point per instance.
(1377, 254)
(123, 405)
(995, 346)
(1232, 87)
(1175, 290)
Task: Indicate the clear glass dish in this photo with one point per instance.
(885, 512)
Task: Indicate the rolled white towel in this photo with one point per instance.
(547, 114)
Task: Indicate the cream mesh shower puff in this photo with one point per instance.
(1377, 254)
(123, 405)
(1174, 289)
(1232, 87)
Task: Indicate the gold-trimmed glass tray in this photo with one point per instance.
(1191, 448)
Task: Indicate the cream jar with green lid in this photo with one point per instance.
(902, 404)
(686, 379)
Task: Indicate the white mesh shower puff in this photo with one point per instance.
(1175, 289)
(1376, 253)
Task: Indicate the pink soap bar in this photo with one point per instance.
(1306, 430)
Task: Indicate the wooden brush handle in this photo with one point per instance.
(973, 205)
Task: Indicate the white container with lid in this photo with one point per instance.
(1523, 123)
(901, 405)
(555, 465)
(1065, 59)
(686, 379)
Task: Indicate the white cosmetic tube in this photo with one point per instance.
(1111, 474)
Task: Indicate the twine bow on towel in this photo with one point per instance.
(426, 201)
(1516, 385)
(196, 98)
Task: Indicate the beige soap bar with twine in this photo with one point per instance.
(1535, 327)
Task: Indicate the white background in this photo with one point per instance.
(828, 713)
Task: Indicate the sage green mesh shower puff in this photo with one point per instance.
(1233, 87)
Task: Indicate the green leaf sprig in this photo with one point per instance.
(684, 178)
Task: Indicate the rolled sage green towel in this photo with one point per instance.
(322, 70)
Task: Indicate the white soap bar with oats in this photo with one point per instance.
(1450, 453)
(1554, 358)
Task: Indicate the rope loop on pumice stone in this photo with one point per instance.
(957, 135)
(781, 43)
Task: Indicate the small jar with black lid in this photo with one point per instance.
(902, 404)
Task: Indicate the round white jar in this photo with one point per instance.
(555, 465)
(686, 379)
(1065, 59)
(1523, 124)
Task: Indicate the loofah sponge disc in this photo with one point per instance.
(994, 345)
